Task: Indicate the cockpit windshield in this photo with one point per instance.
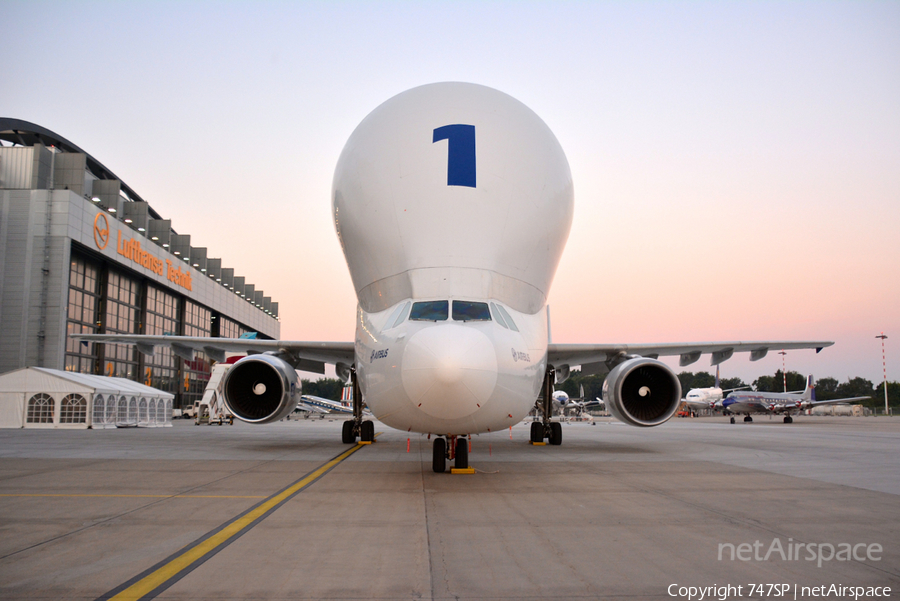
(430, 311)
(470, 311)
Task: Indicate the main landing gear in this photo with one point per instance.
(788, 419)
(540, 430)
(747, 418)
(458, 451)
(355, 426)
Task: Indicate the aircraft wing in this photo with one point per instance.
(833, 401)
(593, 357)
(312, 356)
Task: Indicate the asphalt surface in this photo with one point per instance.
(615, 512)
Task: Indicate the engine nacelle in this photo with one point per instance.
(642, 392)
(261, 388)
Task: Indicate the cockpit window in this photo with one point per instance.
(430, 311)
(506, 317)
(470, 311)
(403, 315)
(392, 318)
(497, 317)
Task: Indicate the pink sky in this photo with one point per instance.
(736, 165)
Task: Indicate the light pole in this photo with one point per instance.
(783, 373)
(884, 367)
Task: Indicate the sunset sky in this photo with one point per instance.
(736, 165)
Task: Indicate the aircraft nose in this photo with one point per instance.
(449, 371)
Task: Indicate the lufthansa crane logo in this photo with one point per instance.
(101, 231)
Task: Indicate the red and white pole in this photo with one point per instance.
(884, 367)
(783, 372)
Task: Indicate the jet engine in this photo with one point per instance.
(642, 392)
(261, 388)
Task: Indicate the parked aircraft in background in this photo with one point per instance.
(452, 203)
(564, 405)
(786, 403)
(707, 398)
(315, 404)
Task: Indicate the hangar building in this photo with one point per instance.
(81, 252)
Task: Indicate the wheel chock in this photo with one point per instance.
(467, 470)
(365, 442)
(538, 444)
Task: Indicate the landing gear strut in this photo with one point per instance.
(457, 450)
(552, 431)
(355, 426)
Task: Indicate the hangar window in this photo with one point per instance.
(430, 311)
(73, 410)
(40, 409)
(470, 311)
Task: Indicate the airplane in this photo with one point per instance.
(562, 401)
(778, 402)
(316, 404)
(707, 398)
(452, 203)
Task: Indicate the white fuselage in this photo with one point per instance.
(452, 192)
(450, 377)
(703, 398)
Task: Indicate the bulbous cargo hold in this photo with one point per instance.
(642, 392)
(452, 189)
(261, 388)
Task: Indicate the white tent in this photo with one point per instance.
(37, 397)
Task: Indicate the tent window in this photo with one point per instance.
(73, 410)
(111, 404)
(40, 409)
(122, 417)
(99, 409)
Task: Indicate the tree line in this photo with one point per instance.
(826, 388)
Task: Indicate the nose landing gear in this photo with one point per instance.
(457, 450)
(552, 431)
(355, 426)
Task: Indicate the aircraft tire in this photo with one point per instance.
(537, 432)
(461, 461)
(555, 433)
(788, 419)
(367, 431)
(439, 456)
(347, 436)
(747, 418)
(732, 420)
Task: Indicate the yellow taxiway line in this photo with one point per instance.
(164, 574)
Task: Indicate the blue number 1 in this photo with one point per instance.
(460, 153)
